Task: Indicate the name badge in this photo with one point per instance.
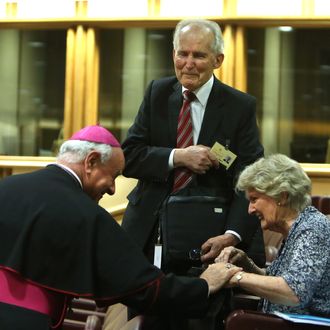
(223, 154)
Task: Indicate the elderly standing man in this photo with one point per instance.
(58, 243)
(168, 149)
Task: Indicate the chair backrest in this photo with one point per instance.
(324, 205)
(83, 314)
(316, 201)
(92, 322)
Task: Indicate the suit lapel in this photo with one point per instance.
(214, 113)
(174, 105)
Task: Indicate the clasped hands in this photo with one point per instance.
(222, 272)
(219, 275)
(232, 256)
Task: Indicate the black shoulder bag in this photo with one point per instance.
(188, 218)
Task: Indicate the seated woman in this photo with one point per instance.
(298, 280)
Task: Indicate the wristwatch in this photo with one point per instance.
(239, 276)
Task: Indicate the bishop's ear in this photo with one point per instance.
(92, 160)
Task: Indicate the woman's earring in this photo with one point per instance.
(279, 203)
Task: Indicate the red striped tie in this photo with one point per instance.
(182, 176)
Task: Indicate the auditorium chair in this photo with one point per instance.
(84, 314)
(324, 205)
(92, 322)
(316, 201)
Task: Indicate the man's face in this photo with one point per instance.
(100, 178)
(194, 60)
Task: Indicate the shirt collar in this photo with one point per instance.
(67, 169)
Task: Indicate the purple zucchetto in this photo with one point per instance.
(96, 134)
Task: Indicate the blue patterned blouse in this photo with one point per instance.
(304, 263)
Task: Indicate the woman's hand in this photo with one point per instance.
(232, 255)
(239, 258)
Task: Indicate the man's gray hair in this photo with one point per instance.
(277, 174)
(75, 151)
(218, 44)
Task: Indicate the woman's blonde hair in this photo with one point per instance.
(275, 175)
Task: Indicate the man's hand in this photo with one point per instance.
(198, 159)
(217, 275)
(214, 245)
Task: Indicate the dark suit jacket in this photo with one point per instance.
(229, 119)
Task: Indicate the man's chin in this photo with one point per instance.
(191, 85)
(190, 82)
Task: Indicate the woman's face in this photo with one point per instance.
(266, 209)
